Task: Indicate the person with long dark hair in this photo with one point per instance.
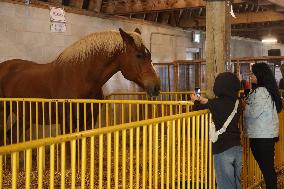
(261, 120)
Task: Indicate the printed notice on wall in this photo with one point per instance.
(57, 20)
(57, 15)
(58, 27)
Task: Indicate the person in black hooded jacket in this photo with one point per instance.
(227, 149)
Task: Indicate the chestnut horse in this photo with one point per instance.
(81, 70)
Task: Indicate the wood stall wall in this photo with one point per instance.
(185, 75)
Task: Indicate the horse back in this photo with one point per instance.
(9, 66)
(18, 77)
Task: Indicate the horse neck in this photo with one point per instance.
(93, 70)
(103, 71)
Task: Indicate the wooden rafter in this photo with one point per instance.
(275, 26)
(76, 3)
(56, 2)
(95, 5)
(242, 18)
(277, 2)
(128, 7)
(65, 2)
(85, 4)
(259, 33)
(164, 17)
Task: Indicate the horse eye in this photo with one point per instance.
(139, 55)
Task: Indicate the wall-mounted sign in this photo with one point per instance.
(58, 27)
(57, 19)
(57, 15)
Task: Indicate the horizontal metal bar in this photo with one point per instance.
(96, 101)
(68, 137)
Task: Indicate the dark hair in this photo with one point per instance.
(265, 78)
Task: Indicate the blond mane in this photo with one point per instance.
(106, 43)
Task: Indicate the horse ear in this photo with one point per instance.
(137, 31)
(126, 37)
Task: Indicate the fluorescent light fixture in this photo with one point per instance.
(196, 36)
(269, 40)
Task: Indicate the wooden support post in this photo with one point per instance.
(218, 34)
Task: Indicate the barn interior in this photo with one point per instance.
(174, 31)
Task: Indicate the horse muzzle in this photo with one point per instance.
(153, 90)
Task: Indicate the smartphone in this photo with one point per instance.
(197, 91)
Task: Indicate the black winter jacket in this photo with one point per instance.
(226, 87)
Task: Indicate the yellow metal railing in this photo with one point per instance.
(166, 152)
(28, 119)
(32, 119)
(251, 174)
(163, 96)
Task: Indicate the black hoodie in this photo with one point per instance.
(226, 87)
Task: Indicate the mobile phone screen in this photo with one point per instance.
(197, 91)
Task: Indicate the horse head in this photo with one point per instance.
(136, 64)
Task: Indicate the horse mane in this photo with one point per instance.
(106, 43)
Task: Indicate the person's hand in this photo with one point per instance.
(203, 100)
(193, 97)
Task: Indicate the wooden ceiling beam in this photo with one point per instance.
(76, 3)
(242, 18)
(259, 2)
(65, 2)
(130, 7)
(277, 2)
(55, 2)
(280, 9)
(164, 17)
(148, 6)
(258, 28)
(151, 17)
(256, 33)
(95, 5)
(174, 18)
(86, 4)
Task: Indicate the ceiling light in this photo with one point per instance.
(269, 40)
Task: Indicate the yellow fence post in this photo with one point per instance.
(28, 168)
(52, 165)
(73, 164)
(1, 171)
(92, 163)
(14, 170)
(62, 163)
(83, 163)
(40, 167)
